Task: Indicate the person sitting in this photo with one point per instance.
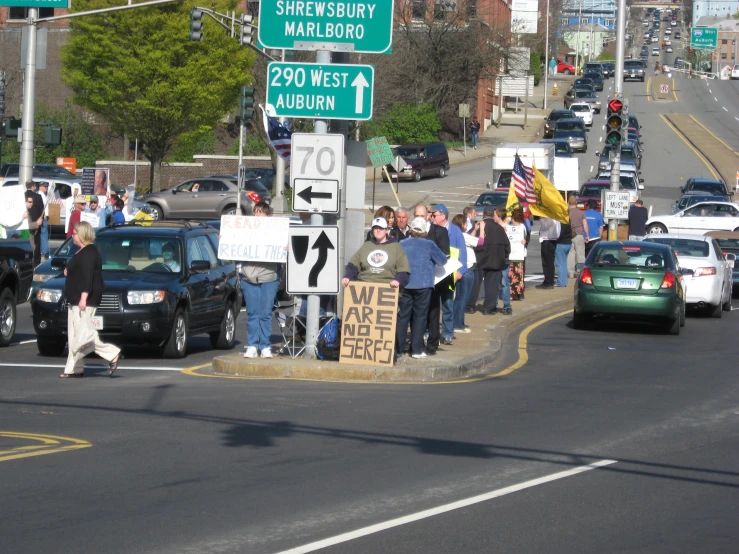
(170, 258)
(609, 259)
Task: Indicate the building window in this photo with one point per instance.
(18, 13)
(419, 9)
(723, 55)
(724, 41)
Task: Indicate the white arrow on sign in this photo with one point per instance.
(360, 83)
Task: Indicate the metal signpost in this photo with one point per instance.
(704, 38)
(329, 26)
(313, 90)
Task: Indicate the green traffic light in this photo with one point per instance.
(614, 137)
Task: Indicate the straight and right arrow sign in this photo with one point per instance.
(313, 260)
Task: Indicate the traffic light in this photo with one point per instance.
(196, 24)
(12, 126)
(615, 122)
(52, 136)
(246, 105)
(246, 35)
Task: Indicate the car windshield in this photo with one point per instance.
(554, 116)
(139, 254)
(580, 108)
(493, 199)
(504, 181)
(569, 125)
(592, 190)
(728, 243)
(67, 249)
(713, 188)
(559, 146)
(583, 93)
(684, 247)
(641, 255)
(408, 153)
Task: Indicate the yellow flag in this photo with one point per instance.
(512, 202)
(549, 201)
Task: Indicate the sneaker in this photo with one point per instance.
(447, 341)
(419, 356)
(251, 352)
(463, 330)
(543, 286)
(507, 311)
(266, 352)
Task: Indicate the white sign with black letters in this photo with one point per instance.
(316, 171)
(313, 260)
(615, 204)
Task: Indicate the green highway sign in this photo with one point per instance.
(704, 38)
(336, 25)
(321, 91)
(36, 3)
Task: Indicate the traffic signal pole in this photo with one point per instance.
(619, 93)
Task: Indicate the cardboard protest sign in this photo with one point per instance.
(368, 325)
(91, 218)
(253, 239)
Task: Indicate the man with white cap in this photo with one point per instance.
(413, 306)
(378, 260)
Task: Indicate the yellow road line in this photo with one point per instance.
(523, 358)
(50, 445)
(649, 94)
(674, 92)
(707, 130)
(701, 157)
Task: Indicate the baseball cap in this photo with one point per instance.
(79, 199)
(94, 198)
(419, 225)
(440, 208)
(43, 184)
(379, 222)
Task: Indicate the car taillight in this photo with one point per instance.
(703, 271)
(586, 278)
(254, 197)
(668, 282)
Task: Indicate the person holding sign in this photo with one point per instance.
(378, 260)
(518, 237)
(413, 305)
(259, 283)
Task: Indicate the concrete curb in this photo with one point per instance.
(427, 372)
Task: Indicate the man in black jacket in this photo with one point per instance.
(492, 259)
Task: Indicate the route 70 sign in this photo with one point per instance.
(316, 171)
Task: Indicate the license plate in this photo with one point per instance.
(627, 283)
(97, 322)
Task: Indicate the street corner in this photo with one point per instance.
(14, 446)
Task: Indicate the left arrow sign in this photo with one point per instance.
(308, 195)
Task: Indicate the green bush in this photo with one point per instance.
(605, 56)
(405, 123)
(254, 145)
(535, 67)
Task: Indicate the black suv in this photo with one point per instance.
(147, 300)
(421, 160)
(551, 121)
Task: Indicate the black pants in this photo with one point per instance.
(413, 308)
(493, 279)
(35, 238)
(440, 292)
(475, 292)
(548, 247)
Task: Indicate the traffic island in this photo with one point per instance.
(472, 354)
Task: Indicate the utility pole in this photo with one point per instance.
(278, 202)
(25, 171)
(546, 66)
(619, 87)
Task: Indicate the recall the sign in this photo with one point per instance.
(368, 325)
(253, 239)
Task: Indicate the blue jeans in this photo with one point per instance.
(474, 139)
(447, 314)
(45, 238)
(505, 288)
(260, 300)
(413, 308)
(560, 261)
(462, 295)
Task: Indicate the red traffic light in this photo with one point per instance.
(615, 105)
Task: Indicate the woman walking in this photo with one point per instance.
(83, 288)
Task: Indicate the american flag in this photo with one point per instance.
(523, 181)
(279, 137)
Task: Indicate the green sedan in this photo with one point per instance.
(631, 280)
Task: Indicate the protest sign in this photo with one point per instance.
(13, 206)
(516, 234)
(91, 218)
(253, 239)
(368, 325)
(441, 271)
(96, 180)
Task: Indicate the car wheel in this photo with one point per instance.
(229, 210)
(156, 212)
(223, 339)
(50, 347)
(7, 317)
(417, 176)
(176, 345)
(656, 229)
(727, 305)
(716, 311)
(567, 72)
(673, 326)
(580, 322)
(442, 172)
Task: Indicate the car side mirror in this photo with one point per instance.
(174, 191)
(641, 179)
(731, 258)
(597, 154)
(58, 263)
(579, 267)
(641, 187)
(682, 190)
(685, 271)
(200, 265)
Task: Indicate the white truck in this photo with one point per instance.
(562, 172)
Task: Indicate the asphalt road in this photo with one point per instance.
(615, 439)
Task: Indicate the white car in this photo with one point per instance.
(655, 51)
(673, 23)
(735, 71)
(668, 31)
(655, 38)
(697, 219)
(584, 111)
(668, 49)
(710, 285)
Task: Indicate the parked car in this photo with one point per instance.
(421, 160)
(706, 186)
(734, 72)
(562, 148)
(265, 176)
(692, 198)
(566, 68)
(146, 301)
(698, 219)
(633, 281)
(554, 116)
(584, 111)
(709, 286)
(16, 273)
(206, 197)
(728, 241)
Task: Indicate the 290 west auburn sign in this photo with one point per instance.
(368, 325)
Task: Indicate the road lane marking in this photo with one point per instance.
(50, 444)
(591, 169)
(674, 90)
(94, 366)
(701, 157)
(649, 94)
(716, 99)
(458, 505)
(724, 109)
(707, 130)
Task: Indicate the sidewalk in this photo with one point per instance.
(471, 355)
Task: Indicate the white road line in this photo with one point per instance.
(29, 341)
(365, 531)
(737, 118)
(725, 109)
(716, 99)
(591, 169)
(91, 366)
(709, 90)
(600, 139)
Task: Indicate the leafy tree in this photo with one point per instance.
(406, 123)
(535, 67)
(138, 70)
(190, 144)
(255, 141)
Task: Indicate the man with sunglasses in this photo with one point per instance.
(97, 209)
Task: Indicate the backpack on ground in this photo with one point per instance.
(329, 340)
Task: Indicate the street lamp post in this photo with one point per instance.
(546, 62)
